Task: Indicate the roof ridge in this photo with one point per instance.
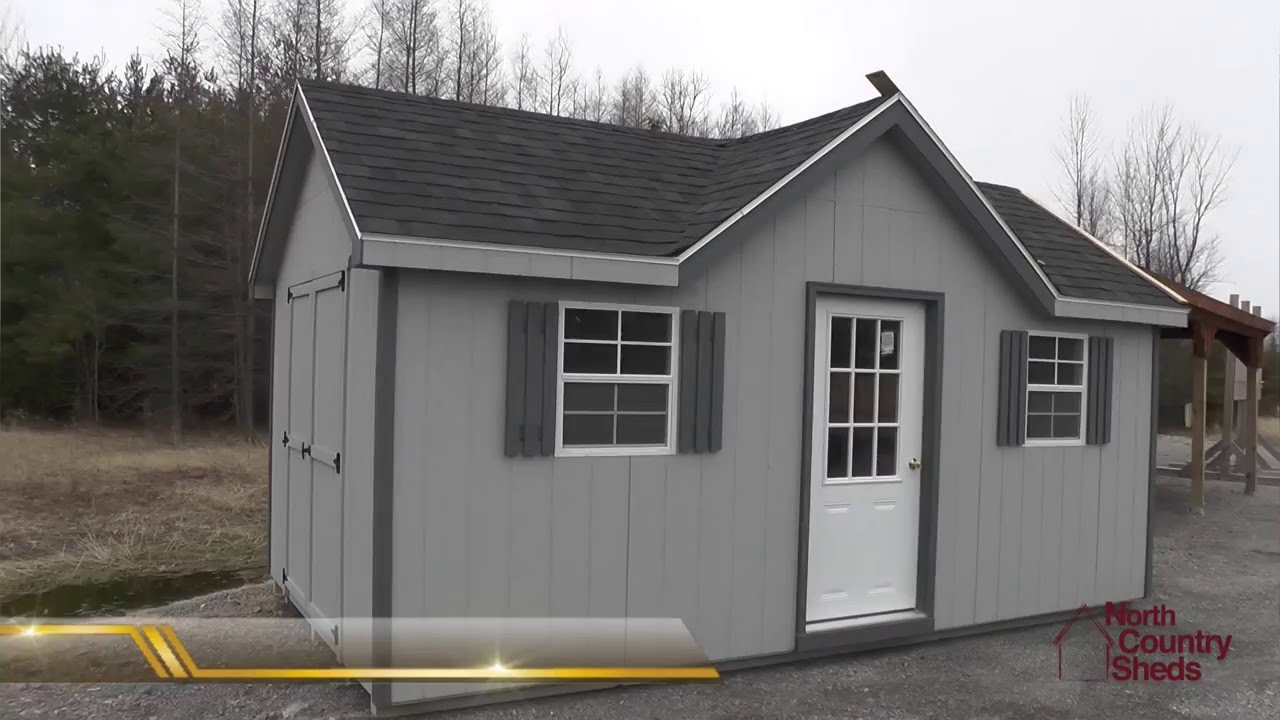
(502, 111)
(808, 122)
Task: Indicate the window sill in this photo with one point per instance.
(1075, 442)
(614, 451)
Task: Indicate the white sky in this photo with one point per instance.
(992, 78)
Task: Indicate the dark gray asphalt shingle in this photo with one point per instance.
(437, 169)
(1072, 262)
(429, 168)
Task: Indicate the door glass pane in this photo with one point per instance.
(642, 398)
(888, 350)
(841, 342)
(889, 398)
(642, 429)
(864, 398)
(645, 360)
(839, 391)
(887, 451)
(588, 396)
(865, 344)
(863, 451)
(646, 327)
(590, 358)
(591, 324)
(587, 429)
(837, 452)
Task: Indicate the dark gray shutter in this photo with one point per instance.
(701, 379)
(1098, 422)
(532, 361)
(1011, 407)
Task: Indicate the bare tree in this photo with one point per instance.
(1085, 190)
(595, 98)
(682, 100)
(239, 48)
(556, 74)
(524, 76)
(12, 34)
(182, 45)
(736, 118)
(376, 26)
(415, 60)
(1169, 179)
(634, 99)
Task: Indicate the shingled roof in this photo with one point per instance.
(1073, 263)
(429, 168)
(433, 169)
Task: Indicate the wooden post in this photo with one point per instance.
(1201, 338)
(1251, 412)
(1228, 435)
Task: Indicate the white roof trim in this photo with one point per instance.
(1108, 249)
(822, 152)
(525, 249)
(495, 259)
(271, 195)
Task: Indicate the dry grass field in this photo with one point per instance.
(82, 506)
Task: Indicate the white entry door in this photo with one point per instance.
(864, 489)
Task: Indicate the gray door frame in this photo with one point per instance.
(931, 427)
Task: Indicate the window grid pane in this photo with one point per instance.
(609, 347)
(863, 368)
(1056, 383)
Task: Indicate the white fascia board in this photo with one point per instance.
(1084, 309)
(268, 290)
(496, 259)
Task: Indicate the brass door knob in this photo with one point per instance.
(914, 464)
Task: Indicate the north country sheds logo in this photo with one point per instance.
(1131, 644)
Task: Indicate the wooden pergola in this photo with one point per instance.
(1242, 331)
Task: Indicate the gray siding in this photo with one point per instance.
(713, 538)
(309, 502)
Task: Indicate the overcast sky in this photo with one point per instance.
(992, 78)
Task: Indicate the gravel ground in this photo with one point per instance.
(1219, 572)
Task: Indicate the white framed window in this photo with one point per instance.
(1056, 379)
(616, 385)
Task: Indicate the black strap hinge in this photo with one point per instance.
(284, 438)
(337, 462)
(288, 298)
(342, 279)
(306, 450)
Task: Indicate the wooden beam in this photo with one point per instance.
(1251, 412)
(1199, 368)
(1228, 404)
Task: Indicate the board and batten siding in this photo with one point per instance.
(713, 538)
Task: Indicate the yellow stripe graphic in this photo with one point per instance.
(176, 657)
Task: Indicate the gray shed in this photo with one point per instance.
(812, 390)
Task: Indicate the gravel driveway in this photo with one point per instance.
(1220, 571)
